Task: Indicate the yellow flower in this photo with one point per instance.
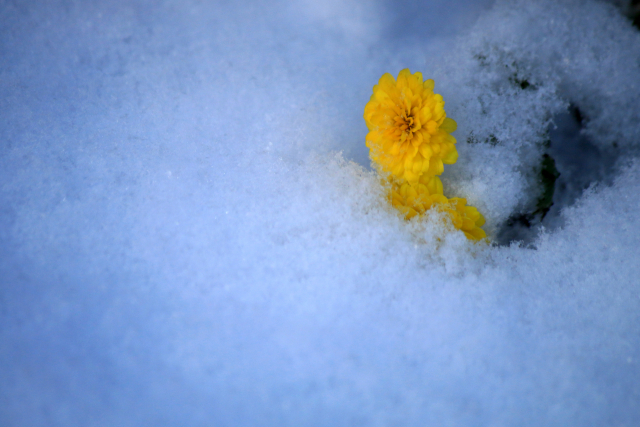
(416, 199)
(409, 141)
(409, 131)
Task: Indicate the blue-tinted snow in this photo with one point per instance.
(182, 244)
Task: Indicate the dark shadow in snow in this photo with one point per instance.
(570, 165)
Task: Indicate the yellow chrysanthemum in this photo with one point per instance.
(409, 132)
(416, 199)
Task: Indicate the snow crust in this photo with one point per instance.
(191, 235)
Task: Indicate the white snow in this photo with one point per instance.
(191, 233)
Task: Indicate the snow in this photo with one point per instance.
(192, 235)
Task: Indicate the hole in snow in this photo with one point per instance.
(571, 164)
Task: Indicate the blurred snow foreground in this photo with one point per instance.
(181, 244)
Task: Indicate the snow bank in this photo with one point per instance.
(182, 245)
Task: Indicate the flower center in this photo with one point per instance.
(405, 123)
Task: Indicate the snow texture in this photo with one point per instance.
(191, 233)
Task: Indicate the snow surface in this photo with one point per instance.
(183, 243)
